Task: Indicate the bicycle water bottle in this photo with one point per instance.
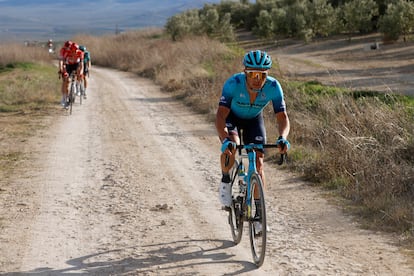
(241, 177)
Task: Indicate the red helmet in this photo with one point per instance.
(68, 44)
(74, 46)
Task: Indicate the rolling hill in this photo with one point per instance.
(59, 19)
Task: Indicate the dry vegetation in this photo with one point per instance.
(27, 78)
(29, 89)
(357, 144)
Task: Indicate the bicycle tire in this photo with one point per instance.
(81, 93)
(236, 219)
(71, 97)
(257, 241)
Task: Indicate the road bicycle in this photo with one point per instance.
(245, 187)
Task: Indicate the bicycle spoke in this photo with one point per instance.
(235, 212)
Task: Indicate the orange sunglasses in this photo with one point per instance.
(256, 74)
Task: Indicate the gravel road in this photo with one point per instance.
(127, 185)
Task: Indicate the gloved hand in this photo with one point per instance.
(283, 143)
(226, 143)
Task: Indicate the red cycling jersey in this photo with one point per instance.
(71, 56)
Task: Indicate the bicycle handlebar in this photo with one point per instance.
(258, 146)
(283, 156)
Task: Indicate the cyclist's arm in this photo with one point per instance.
(61, 65)
(279, 107)
(81, 67)
(283, 126)
(221, 115)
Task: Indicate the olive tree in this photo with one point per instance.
(398, 20)
(210, 20)
(290, 19)
(226, 30)
(321, 17)
(183, 24)
(264, 24)
(358, 15)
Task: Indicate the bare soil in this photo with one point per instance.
(127, 185)
(362, 62)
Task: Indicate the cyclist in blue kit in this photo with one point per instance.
(244, 96)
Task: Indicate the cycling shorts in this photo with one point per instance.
(251, 130)
(71, 67)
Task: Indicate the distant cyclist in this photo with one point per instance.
(86, 66)
(70, 59)
(243, 98)
(50, 46)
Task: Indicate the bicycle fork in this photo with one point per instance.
(252, 169)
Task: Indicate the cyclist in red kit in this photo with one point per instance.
(70, 59)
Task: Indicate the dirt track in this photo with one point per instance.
(127, 185)
(348, 63)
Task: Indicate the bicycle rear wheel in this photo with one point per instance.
(236, 209)
(257, 221)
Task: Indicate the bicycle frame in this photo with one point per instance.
(250, 155)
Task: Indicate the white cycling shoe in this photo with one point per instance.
(225, 194)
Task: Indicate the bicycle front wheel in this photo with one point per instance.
(236, 208)
(71, 97)
(257, 220)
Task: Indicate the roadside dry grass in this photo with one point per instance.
(29, 90)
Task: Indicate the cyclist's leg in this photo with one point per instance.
(78, 78)
(69, 69)
(227, 162)
(65, 89)
(255, 132)
(85, 79)
(259, 166)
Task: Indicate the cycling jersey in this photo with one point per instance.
(236, 97)
(71, 57)
(87, 57)
(86, 60)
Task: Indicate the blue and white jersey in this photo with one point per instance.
(236, 97)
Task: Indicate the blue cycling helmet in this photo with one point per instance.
(82, 48)
(257, 59)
